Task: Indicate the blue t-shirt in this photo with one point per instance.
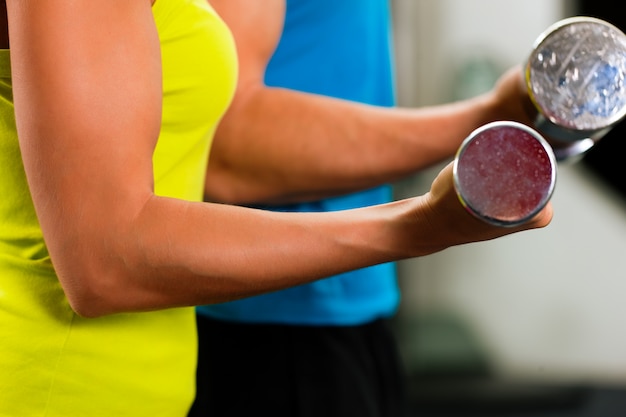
(341, 49)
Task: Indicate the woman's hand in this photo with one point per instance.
(452, 224)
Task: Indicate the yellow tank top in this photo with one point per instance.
(55, 363)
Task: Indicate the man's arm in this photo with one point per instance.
(277, 145)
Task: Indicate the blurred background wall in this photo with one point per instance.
(546, 305)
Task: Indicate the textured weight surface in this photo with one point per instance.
(576, 74)
(504, 173)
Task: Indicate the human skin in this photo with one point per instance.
(322, 146)
(87, 133)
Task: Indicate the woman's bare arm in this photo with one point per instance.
(87, 90)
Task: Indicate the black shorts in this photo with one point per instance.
(298, 371)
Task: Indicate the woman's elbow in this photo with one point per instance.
(93, 295)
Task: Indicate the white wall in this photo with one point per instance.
(547, 304)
